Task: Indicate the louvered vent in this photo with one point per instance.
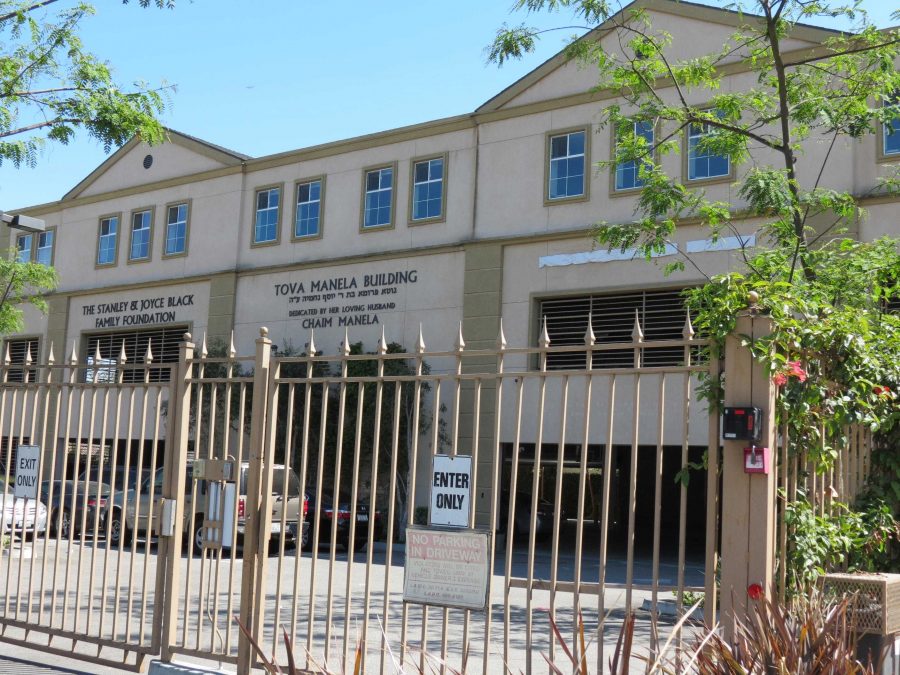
(661, 314)
(18, 350)
(164, 344)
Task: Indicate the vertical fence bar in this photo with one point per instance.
(560, 463)
(589, 340)
(496, 460)
(304, 456)
(376, 450)
(320, 468)
(169, 550)
(389, 537)
(604, 527)
(253, 576)
(637, 336)
(148, 358)
(338, 456)
(544, 344)
(688, 334)
(782, 521)
(511, 518)
(712, 505)
(657, 516)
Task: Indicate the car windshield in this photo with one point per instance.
(120, 476)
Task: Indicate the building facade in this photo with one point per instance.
(472, 219)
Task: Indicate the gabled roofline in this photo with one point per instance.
(192, 143)
(681, 8)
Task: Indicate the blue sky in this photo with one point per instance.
(276, 75)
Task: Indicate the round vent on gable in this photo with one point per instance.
(148, 161)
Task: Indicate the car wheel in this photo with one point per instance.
(304, 538)
(197, 537)
(118, 529)
(64, 525)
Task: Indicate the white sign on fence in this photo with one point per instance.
(446, 568)
(451, 490)
(28, 459)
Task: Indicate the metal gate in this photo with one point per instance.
(288, 482)
(576, 452)
(72, 583)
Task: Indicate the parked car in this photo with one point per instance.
(290, 507)
(108, 473)
(522, 515)
(63, 519)
(344, 517)
(20, 516)
(129, 510)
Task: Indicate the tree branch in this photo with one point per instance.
(37, 5)
(858, 50)
(40, 125)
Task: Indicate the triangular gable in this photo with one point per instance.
(696, 30)
(180, 155)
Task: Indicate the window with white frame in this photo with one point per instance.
(890, 130)
(661, 314)
(265, 228)
(309, 209)
(567, 165)
(24, 242)
(379, 197)
(43, 253)
(428, 189)
(176, 229)
(703, 163)
(140, 235)
(628, 172)
(107, 241)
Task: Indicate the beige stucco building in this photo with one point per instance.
(473, 219)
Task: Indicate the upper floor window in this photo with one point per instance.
(141, 222)
(176, 229)
(309, 209)
(265, 229)
(43, 254)
(628, 172)
(24, 242)
(702, 161)
(428, 189)
(567, 165)
(108, 240)
(890, 131)
(379, 197)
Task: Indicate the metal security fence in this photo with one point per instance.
(72, 582)
(281, 490)
(800, 477)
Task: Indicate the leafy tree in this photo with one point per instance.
(22, 283)
(835, 350)
(51, 86)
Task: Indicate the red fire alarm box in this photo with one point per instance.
(757, 460)
(741, 423)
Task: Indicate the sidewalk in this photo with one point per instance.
(36, 662)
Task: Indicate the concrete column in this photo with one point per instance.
(222, 290)
(748, 499)
(482, 308)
